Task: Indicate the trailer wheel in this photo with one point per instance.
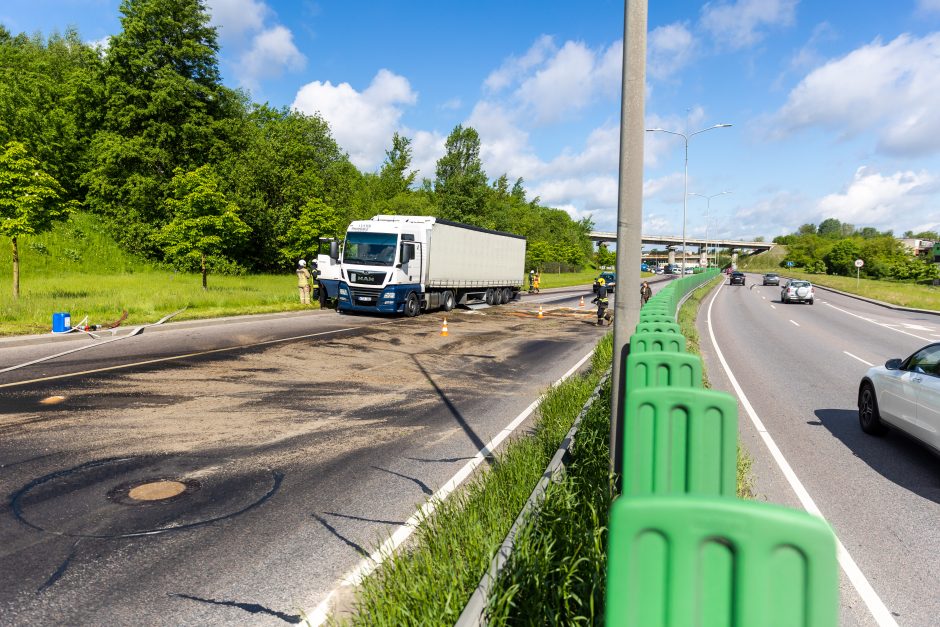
(448, 301)
(490, 296)
(412, 307)
(506, 296)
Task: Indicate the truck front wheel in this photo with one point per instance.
(412, 307)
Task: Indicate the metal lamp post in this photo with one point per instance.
(708, 202)
(685, 195)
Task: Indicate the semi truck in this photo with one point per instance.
(329, 272)
(410, 264)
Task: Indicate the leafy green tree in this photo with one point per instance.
(316, 220)
(460, 183)
(30, 200)
(204, 222)
(43, 103)
(395, 176)
(162, 104)
(807, 229)
(841, 257)
(830, 227)
(604, 256)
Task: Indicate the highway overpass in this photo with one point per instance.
(672, 241)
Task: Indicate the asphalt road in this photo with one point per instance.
(799, 366)
(230, 472)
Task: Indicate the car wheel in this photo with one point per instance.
(412, 307)
(810, 301)
(447, 301)
(868, 417)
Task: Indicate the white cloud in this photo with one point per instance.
(892, 89)
(515, 67)
(873, 199)
(235, 17)
(928, 6)
(741, 24)
(264, 51)
(426, 148)
(362, 122)
(590, 193)
(670, 49)
(669, 187)
(658, 225)
(271, 51)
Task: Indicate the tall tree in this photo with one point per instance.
(394, 174)
(162, 101)
(204, 222)
(30, 200)
(460, 183)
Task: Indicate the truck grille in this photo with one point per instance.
(365, 295)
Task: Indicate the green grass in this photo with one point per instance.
(77, 268)
(568, 279)
(430, 582)
(893, 292)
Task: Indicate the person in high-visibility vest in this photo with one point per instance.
(303, 282)
(602, 302)
(314, 287)
(535, 282)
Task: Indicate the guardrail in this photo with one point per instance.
(682, 549)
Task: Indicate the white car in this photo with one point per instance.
(797, 291)
(904, 394)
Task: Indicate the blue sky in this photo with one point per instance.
(835, 106)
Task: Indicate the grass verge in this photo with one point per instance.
(429, 582)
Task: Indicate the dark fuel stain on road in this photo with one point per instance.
(354, 546)
(251, 608)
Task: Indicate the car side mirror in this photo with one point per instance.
(893, 364)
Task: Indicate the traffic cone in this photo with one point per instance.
(540, 312)
(581, 304)
(444, 328)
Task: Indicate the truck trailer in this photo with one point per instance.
(410, 264)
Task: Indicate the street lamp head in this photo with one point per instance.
(722, 125)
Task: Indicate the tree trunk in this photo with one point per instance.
(16, 270)
(204, 286)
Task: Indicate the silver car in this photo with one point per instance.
(797, 291)
(771, 278)
(904, 394)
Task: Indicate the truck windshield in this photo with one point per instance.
(370, 249)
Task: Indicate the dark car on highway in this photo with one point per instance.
(737, 278)
(610, 280)
(771, 278)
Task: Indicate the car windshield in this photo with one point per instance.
(770, 275)
(370, 249)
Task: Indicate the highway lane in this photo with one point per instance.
(799, 366)
(237, 486)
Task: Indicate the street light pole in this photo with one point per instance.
(685, 195)
(708, 203)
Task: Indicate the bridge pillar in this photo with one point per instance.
(672, 257)
(734, 259)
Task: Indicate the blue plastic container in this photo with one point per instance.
(61, 322)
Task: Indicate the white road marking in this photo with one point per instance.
(875, 605)
(916, 327)
(772, 306)
(858, 358)
(794, 323)
(880, 324)
(321, 613)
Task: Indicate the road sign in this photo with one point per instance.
(789, 264)
(859, 263)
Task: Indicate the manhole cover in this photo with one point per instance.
(157, 490)
(135, 496)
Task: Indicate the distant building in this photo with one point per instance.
(922, 247)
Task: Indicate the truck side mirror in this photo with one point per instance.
(334, 250)
(406, 253)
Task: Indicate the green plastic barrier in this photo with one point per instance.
(659, 342)
(715, 562)
(656, 316)
(679, 441)
(658, 370)
(646, 327)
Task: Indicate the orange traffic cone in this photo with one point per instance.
(444, 328)
(540, 312)
(581, 304)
